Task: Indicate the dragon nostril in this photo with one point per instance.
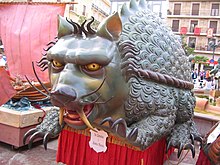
(63, 93)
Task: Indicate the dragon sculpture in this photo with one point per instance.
(130, 78)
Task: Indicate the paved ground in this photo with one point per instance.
(23, 156)
(185, 158)
(38, 156)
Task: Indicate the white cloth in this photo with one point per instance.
(2, 62)
(208, 85)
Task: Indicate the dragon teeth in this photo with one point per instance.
(85, 119)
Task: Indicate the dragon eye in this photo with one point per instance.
(93, 67)
(57, 64)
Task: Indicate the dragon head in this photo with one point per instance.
(84, 69)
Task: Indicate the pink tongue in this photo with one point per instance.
(88, 108)
(75, 115)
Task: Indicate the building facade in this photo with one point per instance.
(157, 6)
(76, 9)
(199, 22)
(99, 9)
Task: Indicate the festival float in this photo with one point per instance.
(120, 94)
(120, 91)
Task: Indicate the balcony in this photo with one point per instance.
(209, 14)
(202, 33)
(206, 50)
(195, 31)
(99, 9)
(194, 0)
(215, 12)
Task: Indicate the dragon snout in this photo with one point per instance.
(62, 95)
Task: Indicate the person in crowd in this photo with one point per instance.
(216, 81)
(207, 75)
(194, 76)
(208, 84)
(201, 78)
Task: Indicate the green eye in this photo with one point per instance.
(93, 67)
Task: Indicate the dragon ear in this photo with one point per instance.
(111, 27)
(64, 27)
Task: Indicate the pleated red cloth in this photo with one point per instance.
(202, 159)
(73, 149)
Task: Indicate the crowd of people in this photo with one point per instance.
(203, 79)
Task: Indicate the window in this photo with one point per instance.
(193, 24)
(192, 42)
(72, 7)
(195, 9)
(213, 24)
(215, 9)
(84, 10)
(175, 26)
(156, 8)
(177, 8)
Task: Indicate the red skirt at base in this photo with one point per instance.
(73, 149)
(202, 159)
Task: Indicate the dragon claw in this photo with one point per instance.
(48, 128)
(120, 127)
(33, 137)
(199, 139)
(108, 119)
(168, 146)
(180, 150)
(27, 134)
(192, 138)
(132, 136)
(45, 140)
(191, 147)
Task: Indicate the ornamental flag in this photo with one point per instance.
(197, 31)
(210, 33)
(183, 30)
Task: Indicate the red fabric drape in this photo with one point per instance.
(25, 30)
(73, 149)
(6, 89)
(202, 159)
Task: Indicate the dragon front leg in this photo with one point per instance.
(143, 133)
(182, 137)
(120, 129)
(184, 132)
(49, 128)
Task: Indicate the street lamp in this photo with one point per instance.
(214, 46)
(215, 70)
